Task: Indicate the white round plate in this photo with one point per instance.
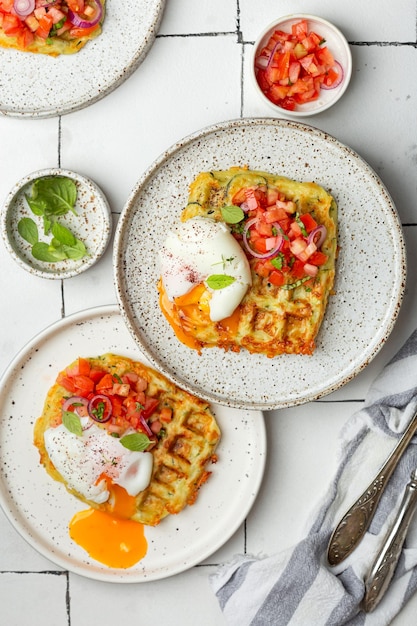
(41, 509)
(370, 267)
(92, 224)
(37, 85)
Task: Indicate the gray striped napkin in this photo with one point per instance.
(297, 586)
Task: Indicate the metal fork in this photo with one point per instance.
(354, 524)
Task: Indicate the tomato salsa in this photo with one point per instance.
(292, 68)
(282, 244)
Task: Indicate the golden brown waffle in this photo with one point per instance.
(180, 456)
(270, 320)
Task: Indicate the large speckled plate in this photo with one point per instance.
(36, 85)
(370, 268)
(40, 508)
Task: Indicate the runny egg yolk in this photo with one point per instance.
(192, 310)
(110, 537)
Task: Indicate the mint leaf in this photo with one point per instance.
(72, 422)
(232, 214)
(59, 194)
(219, 281)
(28, 230)
(45, 252)
(63, 234)
(137, 442)
(36, 206)
(75, 252)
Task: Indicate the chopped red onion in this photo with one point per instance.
(23, 8)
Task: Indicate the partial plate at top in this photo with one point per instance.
(368, 289)
(37, 85)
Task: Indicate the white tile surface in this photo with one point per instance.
(196, 74)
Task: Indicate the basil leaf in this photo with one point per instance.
(36, 206)
(63, 234)
(57, 192)
(219, 281)
(232, 214)
(277, 261)
(44, 252)
(28, 230)
(75, 252)
(137, 442)
(72, 422)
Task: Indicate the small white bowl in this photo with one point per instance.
(92, 225)
(336, 43)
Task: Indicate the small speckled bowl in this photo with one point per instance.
(92, 225)
(337, 45)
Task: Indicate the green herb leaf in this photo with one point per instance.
(63, 234)
(137, 442)
(45, 252)
(277, 261)
(219, 281)
(58, 193)
(77, 251)
(36, 206)
(28, 230)
(232, 214)
(72, 422)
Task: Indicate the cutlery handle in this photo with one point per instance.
(385, 563)
(354, 524)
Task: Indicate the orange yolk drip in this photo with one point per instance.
(172, 312)
(110, 537)
(189, 307)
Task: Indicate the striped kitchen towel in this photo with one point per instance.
(297, 586)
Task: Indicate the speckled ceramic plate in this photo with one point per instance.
(92, 224)
(36, 85)
(370, 268)
(40, 509)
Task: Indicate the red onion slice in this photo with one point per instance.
(23, 8)
(108, 409)
(81, 22)
(146, 427)
(318, 235)
(82, 408)
(338, 80)
(258, 255)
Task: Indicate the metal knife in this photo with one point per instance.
(386, 561)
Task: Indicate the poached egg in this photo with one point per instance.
(200, 248)
(100, 468)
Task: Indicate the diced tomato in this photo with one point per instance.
(96, 374)
(76, 5)
(121, 389)
(44, 28)
(297, 270)
(6, 5)
(84, 367)
(84, 384)
(25, 38)
(275, 214)
(276, 278)
(299, 30)
(318, 258)
(12, 26)
(149, 407)
(67, 382)
(106, 382)
(308, 221)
